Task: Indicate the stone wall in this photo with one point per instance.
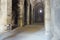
(55, 16)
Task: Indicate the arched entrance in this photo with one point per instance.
(38, 13)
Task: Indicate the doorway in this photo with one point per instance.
(38, 13)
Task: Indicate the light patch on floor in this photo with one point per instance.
(32, 32)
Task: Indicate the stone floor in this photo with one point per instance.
(32, 32)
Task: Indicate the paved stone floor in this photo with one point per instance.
(32, 32)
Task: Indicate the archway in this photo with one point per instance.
(38, 13)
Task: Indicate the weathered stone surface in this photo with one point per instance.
(21, 14)
(9, 11)
(3, 15)
(55, 12)
(48, 20)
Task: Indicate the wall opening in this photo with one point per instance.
(38, 13)
(25, 12)
(15, 13)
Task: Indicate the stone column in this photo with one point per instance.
(28, 11)
(5, 8)
(48, 20)
(21, 14)
(33, 2)
(9, 14)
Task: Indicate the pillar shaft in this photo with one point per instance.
(28, 11)
(21, 14)
(9, 14)
(9, 11)
(48, 19)
(4, 17)
(33, 2)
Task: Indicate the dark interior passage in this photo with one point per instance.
(38, 13)
(25, 12)
(30, 14)
(15, 12)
